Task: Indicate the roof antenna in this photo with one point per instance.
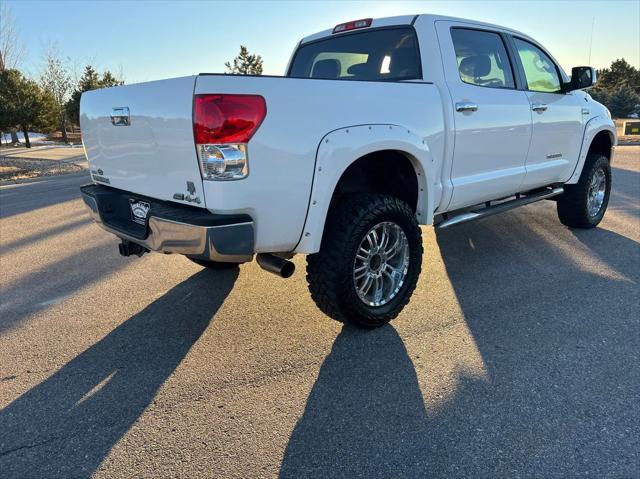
(593, 22)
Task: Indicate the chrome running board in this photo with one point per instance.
(499, 208)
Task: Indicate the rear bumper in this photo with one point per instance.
(172, 228)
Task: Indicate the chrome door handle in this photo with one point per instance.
(466, 106)
(539, 107)
(120, 116)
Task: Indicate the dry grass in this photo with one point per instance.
(12, 169)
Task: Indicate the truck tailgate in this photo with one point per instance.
(152, 153)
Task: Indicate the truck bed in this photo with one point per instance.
(155, 155)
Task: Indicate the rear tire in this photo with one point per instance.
(214, 264)
(369, 261)
(583, 205)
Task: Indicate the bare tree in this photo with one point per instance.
(56, 79)
(11, 49)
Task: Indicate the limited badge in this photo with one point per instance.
(139, 211)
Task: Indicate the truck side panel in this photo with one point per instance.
(282, 154)
(337, 152)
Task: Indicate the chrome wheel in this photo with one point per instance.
(597, 189)
(381, 264)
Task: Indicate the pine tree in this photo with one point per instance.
(618, 88)
(90, 80)
(25, 104)
(619, 74)
(245, 63)
(623, 102)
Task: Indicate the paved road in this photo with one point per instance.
(517, 357)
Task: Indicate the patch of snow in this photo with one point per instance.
(33, 137)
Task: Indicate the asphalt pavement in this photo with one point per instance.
(518, 355)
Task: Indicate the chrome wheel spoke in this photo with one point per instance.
(378, 290)
(596, 193)
(366, 285)
(361, 271)
(381, 264)
(393, 276)
(384, 237)
(390, 252)
(372, 240)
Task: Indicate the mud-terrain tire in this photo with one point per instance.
(334, 274)
(583, 205)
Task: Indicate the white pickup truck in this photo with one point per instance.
(379, 126)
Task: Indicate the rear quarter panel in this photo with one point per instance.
(282, 153)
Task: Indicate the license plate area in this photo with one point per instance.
(139, 211)
(115, 208)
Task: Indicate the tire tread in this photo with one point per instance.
(329, 271)
(572, 204)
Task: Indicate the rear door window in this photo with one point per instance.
(482, 58)
(382, 54)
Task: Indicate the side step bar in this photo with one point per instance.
(499, 208)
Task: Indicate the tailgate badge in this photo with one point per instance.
(139, 211)
(120, 116)
(191, 196)
(98, 175)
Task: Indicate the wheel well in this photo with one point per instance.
(601, 144)
(387, 172)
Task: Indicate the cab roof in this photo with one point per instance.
(410, 20)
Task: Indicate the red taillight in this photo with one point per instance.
(354, 25)
(220, 119)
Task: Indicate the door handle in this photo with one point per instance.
(120, 116)
(466, 106)
(539, 107)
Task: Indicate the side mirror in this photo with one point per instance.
(581, 77)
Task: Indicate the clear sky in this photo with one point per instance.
(148, 40)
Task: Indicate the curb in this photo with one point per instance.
(43, 178)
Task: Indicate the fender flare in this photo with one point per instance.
(594, 126)
(340, 148)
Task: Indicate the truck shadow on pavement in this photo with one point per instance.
(66, 425)
(365, 415)
(553, 314)
(56, 281)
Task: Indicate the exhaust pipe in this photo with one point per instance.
(275, 264)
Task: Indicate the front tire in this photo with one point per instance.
(369, 261)
(583, 205)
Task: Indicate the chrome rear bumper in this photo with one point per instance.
(223, 242)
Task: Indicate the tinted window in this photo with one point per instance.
(482, 58)
(539, 70)
(389, 54)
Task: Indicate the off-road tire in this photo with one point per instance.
(330, 271)
(572, 205)
(214, 264)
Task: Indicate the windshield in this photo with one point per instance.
(383, 54)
